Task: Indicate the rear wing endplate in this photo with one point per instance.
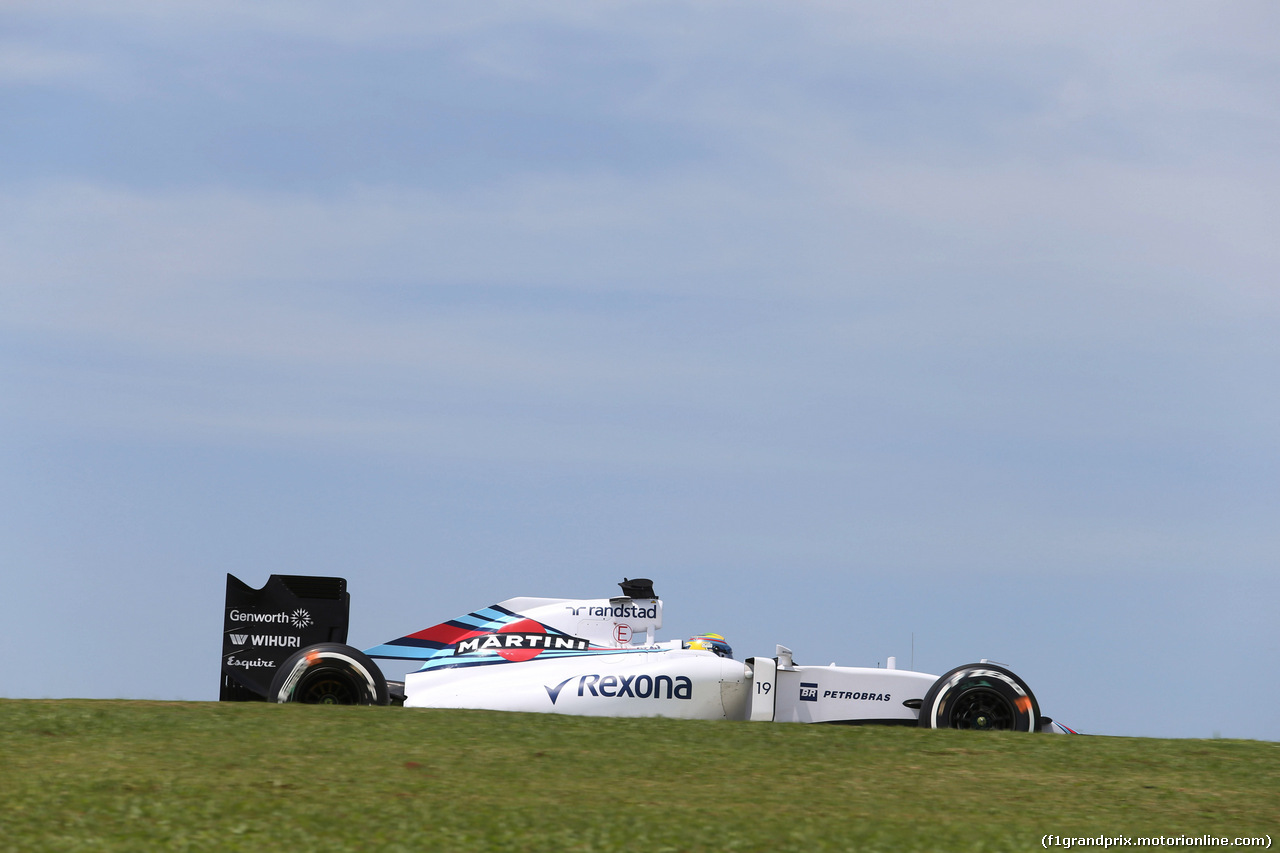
(262, 627)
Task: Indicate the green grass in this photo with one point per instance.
(117, 775)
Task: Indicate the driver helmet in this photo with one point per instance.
(711, 643)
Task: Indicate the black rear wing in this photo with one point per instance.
(262, 627)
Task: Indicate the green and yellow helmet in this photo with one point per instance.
(710, 643)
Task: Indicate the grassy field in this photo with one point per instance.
(122, 775)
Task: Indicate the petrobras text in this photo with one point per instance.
(627, 686)
(515, 640)
(622, 611)
(845, 694)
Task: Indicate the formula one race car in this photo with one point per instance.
(595, 657)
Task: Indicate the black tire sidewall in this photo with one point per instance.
(939, 702)
(344, 661)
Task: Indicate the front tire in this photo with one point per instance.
(329, 674)
(980, 696)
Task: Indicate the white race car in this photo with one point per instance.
(601, 657)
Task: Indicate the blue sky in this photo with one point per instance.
(851, 325)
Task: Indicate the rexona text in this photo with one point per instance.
(632, 686)
(622, 611)
(514, 640)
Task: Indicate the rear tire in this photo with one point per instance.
(329, 674)
(980, 696)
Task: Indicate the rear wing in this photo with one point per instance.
(262, 627)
